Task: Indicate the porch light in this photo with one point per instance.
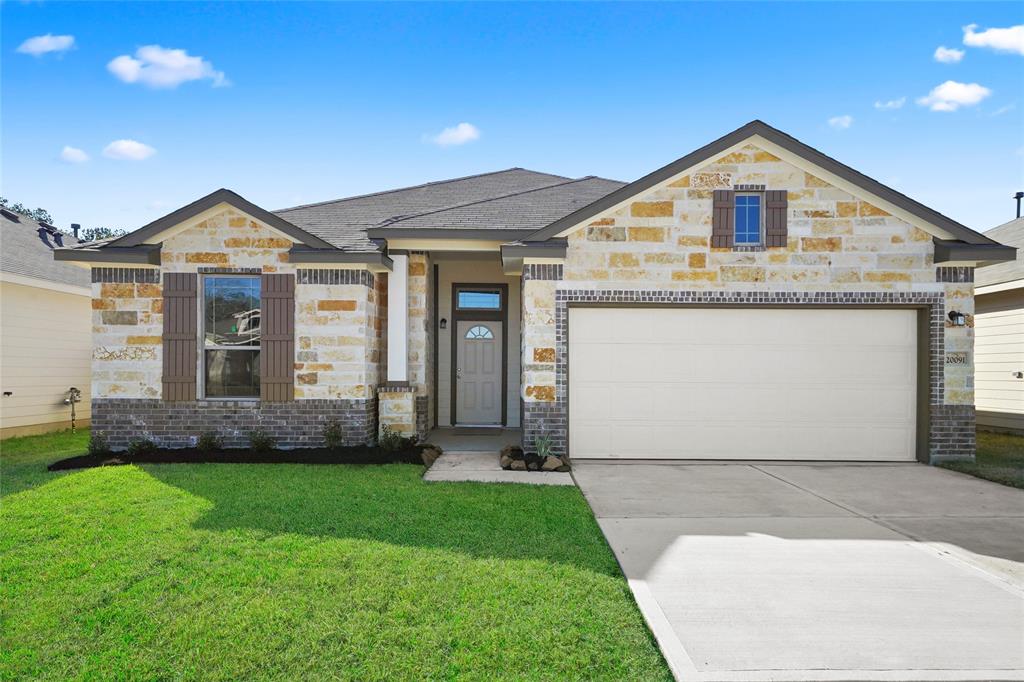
(958, 319)
(444, 323)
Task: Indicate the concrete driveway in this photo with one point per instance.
(819, 571)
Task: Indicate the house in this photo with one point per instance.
(45, 317)
(753, 299)
(999, 336)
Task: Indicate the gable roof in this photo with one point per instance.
(344, 222)
(515, 215)
(1011, 234)
(221, 196)
(26, 249)
(791, 144)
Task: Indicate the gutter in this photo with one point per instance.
(372, 259)
(955, 251)
(144, 254)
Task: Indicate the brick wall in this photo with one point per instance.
(177, 424)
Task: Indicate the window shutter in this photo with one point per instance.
(723, 212)
(277, 338)
(775, 217)
(179, 337)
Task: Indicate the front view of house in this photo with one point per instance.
(754, 299)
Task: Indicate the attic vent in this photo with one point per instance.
(10, 215)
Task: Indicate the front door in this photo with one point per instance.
(478, 372)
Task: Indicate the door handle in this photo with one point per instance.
(458, 373)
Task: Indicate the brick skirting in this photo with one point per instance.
(298, 423)
(951, 427)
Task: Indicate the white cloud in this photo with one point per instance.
(951, 95)
(73, 155)
(948, 55)
(891, 104)
(841, 122)
(160, 67)
(40, 45)
(460, 134)
(128, 150)
(1002, 39)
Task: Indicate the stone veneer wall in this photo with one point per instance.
(339, 341)
(660, 245)
(421, 332)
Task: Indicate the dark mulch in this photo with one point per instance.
(359, 454)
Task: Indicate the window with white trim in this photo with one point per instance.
(231, 336)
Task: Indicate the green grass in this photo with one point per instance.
(224, 571)
(999, 458)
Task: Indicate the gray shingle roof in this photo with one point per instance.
(1011, 234)
(343, 222)
(531, 209)
(26, 249)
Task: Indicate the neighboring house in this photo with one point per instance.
(45, 323)
(753, 299)
(999, 336)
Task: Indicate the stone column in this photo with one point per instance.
(543, 399)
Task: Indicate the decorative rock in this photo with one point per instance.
(564, 468)
(430, 455)
(551, 463)
(533, 466)
(518, 465)
(505, 461)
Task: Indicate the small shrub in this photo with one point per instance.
(262, 442)
(208, 442)
(544, 446)
(390, 440)
(334, 435)
(98, 445)
(142, 446)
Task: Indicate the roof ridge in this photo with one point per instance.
(398, 219)
(403, 189)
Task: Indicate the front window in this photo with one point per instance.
(231, 337)
(748, 219)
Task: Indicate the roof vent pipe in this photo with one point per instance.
(1018, 196)
(75, 227)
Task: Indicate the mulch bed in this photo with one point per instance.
(359, 454)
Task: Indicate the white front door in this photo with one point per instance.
(478, 373)
(743, 383)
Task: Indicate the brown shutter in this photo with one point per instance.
(180, 343)
(723, 211)
(277, 338)
(776, 211)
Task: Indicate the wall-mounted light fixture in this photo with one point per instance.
(444, 323)
(957, 319)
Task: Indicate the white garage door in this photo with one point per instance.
(728, 383)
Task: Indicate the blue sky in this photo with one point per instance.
(294, 103)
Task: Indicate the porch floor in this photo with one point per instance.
(474, 439)
(482, 467)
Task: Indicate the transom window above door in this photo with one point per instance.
(478, 299)
(479, 332)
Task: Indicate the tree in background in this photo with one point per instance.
(93, 234)
(41, 215)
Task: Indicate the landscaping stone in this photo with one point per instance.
(518, 465)
(551, 463)
(430, 455)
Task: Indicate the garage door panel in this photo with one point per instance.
(741, 383)
(741, 363)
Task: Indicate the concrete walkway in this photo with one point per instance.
(483, 467)
(819, 572)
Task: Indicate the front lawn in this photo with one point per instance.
(1000, 458)
(238, 571)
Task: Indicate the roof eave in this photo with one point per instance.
(954, 251)
(470, 234)
(145, 254)
(372, 259)
(513, 256)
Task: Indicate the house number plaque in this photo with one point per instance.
(956, 358)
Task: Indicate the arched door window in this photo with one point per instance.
(479, 332)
